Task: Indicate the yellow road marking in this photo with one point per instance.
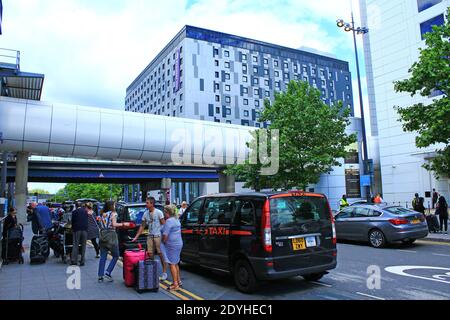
(193, 295)
(433, 242)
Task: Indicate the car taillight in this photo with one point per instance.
(266, 228)
(333, 225)
(398, 222)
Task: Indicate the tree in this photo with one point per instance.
(312, 138)
(38, 191)
(101, 192)
(429, 76)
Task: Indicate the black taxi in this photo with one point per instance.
(261, 236)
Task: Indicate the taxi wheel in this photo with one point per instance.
(377, 238)
(244, 277)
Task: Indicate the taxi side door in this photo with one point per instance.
(190, 230)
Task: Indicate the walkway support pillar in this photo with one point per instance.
(21, 186)
(166, 184)
(226, 183)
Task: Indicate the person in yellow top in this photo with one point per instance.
(343, 202)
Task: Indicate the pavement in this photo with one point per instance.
(49, 281)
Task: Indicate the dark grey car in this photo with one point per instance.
(380, 225)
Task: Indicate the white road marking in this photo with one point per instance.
(370, 296)
(441, 255)
(408, 251)
(401, 270)
(322, 284)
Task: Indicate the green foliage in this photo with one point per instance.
(428, 75)
(101, 192)
(38, 191)
(312, 139)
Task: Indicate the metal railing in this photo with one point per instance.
(10, 56)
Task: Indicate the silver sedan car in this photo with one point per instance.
(380, 224)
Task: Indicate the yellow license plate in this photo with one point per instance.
(416, 221)
(299, 244)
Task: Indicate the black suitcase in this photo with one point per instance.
(39, 250)
(146, 275)
(433, 223)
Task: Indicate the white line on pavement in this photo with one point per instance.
(408, 251)
(322, 284)
(441, 255)
(370, 296)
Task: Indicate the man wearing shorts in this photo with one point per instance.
(154, 218)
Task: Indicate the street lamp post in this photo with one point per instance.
(360, 31)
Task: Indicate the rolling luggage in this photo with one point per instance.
(12, 246)
(146, 274)
(39, 250)
(130, 260)
(433, 223)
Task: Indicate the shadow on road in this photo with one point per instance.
(266, 288)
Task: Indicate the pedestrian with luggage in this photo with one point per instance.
(108, 240)
(154, 218)
(172, 244)
(93, 232)
(80, 232)
(442, 211)
(435, 198)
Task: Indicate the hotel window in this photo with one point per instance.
(227, 87)
(216, 52)
(256, 103)
(277, 74)
(227, 53)
(216, 63)
(267, 94)
(228, 111)
(347, 87)
(245, 90)
(313, 71)
(181, 97)
(216, 86)
(295, 68)
(275, 63)
(244, 57)
(258, 125)
(305, 69)
(323, 83)
(217, 98)
(244, 68)
(245, 102)
(255, 81)
(255, 70)
(256, 92)
(314, 81)
(246, 113)
(217, 110)
(266, 82)
(181, 109)
(174, 113)
(286, 75)
(255, 59)
(346, 78)
(266, 72)
(277, 84)
(266, 61)
(228, 99)
(244, 79)
(227, 76)
(217, 74)
(331, 84)
(228, 121)
(322, 73)
(174, 101)
(227, 65)
(286, 65)
(427, 26)
(426, 4)
(330, 75)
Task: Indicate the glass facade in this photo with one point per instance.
(426, 4)
(427, 26)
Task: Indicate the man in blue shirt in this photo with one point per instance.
(45, 218)
(80, 224)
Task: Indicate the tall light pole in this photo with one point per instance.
(360, 31)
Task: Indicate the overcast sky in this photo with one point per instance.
(90, 51)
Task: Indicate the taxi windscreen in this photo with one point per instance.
(291, 211)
